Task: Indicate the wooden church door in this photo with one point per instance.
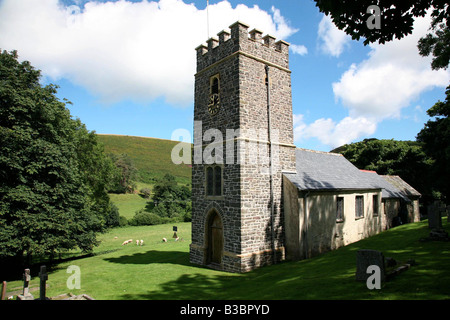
(215, 239)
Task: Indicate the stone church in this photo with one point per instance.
(256, 198)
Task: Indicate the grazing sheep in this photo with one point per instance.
(164, 239)
(137, 242)
(142, 242)
(127, 242)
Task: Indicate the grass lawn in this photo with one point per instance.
(128, 203)
(160, 270)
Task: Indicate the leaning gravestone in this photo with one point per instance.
(366, 258)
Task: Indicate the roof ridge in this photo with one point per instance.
(321, 152)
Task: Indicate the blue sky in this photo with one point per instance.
(128, 66)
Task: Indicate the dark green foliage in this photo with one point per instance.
(172, 200)
(123, 221)
(435, 137)
(124, 175)
(406, 159)
(53, 173)
(143, 218)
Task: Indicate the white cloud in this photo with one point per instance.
(333, 134)
(332, 41)
(391, 78)
(119, 50)
(378, 88)
(298, 49)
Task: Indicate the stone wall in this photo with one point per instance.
(313, 228)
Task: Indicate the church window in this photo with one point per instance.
(214, 83)
(359, 207)
(209, 181)
(213, 181)
(340, 209)
(375, 205)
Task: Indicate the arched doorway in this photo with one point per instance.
(215, 238)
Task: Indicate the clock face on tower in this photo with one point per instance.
(214, 104)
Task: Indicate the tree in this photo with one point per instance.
(124, 175)
(406, 159)
(435, 137)
(52, 183)
(172, 200)
(396, 21)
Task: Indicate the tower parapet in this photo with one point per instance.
(240, 41)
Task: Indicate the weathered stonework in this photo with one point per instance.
(252, 233)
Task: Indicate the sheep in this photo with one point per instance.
(137, 242)
(127, 242)
(164, 239)
(142, 242)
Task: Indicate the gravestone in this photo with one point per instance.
(43, 276)
(366, 258)
(26, 295)
(434, 215)
(435, 212)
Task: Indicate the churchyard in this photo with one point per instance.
(161, 270)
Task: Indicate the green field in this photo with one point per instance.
(150, 156)
(161, 270)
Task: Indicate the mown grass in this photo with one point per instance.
(161, 270)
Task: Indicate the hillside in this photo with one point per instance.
(150, 156)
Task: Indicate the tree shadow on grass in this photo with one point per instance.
(153, 256)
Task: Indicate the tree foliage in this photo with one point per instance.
(172, 200)
(397, 18)
(406, 159)
(53, 173)
(435, 137)
(125, 174)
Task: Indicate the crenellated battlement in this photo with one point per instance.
(240, 40)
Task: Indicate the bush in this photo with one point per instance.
(113, 218)
(143, 218)
(145, 193)
(123, 221)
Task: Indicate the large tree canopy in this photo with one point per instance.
(406, 159)
(396, 21)
(53, 173)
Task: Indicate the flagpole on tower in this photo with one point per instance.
(207, 18)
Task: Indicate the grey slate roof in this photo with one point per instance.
(401, 185)
(389, 191)
(318, 170)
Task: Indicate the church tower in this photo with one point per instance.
(243, 142)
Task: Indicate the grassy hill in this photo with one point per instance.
(150, 156)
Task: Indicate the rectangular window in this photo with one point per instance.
(340, 209)
(375, 205)
(217, 181)
(359, 207)
(209, 181)
(213, 181)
